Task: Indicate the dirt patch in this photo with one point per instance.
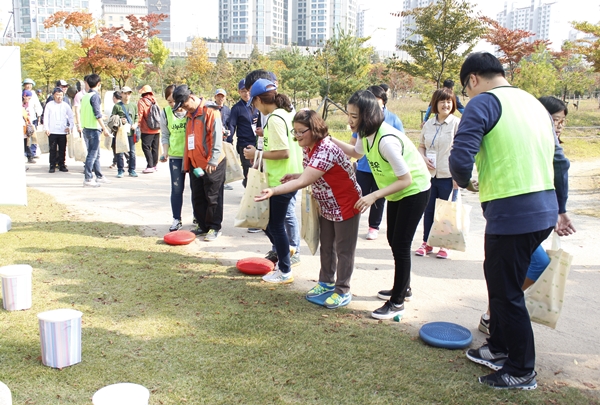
(584, 189)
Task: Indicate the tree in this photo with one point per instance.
(158, 55)
(446, 32)
(572, 74)
(536, 75)
(223, 77)
(198, 66)
(513, 44)
(342, 66)
(590, 48)
(296, 79)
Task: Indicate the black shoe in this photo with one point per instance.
(388, 311)
(30, 160)
(52, 170)
(227, 187)
(199, 231)
(272, 256)
(484, 356)
(502, 380)
(63, 169)
(484, 324)
(387, 294)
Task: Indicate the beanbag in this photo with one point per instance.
(446, 335)
(255, 266)
(179, 237)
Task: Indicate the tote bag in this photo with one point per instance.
(310, 230)
(253, 214)
(70, 143)
(451, 224)
(42, 140)
(544, 299)
(121, 142)
(79, 148)
(233, 170)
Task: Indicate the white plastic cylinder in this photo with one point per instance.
(5, 223)
(16, 286)
(122, 394)
(5, 395)
(60, 337)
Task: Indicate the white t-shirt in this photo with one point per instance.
(390, 149)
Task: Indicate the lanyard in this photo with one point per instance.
(435, 136)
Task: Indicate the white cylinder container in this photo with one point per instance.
(5, 395)
(60, 337)
(122, 394)
(16, 287)
(5, 223)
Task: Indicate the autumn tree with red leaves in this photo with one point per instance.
(113, 51)
(513, 44)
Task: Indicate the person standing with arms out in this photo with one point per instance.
(59, 122)
(281, 156)
(204, 158)
(523, 191)
(129, 115)
(436, 141)
(335, 189)
(363, 171)
(150, 136)
(172, 129)
(402, 178)
(93, 125)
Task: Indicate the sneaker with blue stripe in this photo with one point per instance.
(336, 300)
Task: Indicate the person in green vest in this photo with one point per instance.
(129, 115)
(93, 126)
(172, 128)
(402, 178)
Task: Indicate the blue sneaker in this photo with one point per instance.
(120, 174)
(320, 289)
(336, 300)
(133, 174)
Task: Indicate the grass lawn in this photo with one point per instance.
(198, 333)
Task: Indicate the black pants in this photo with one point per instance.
(207, 197)
(403, 216)
(507, 258)
(58, 146)
(150, 149)
(245, 162)
(367, 184)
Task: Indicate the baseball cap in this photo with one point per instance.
(180, 96)
(126, 89)
(27, 93)
(221, 91)
(273, 77)
(259, 87)
(28, 81)
(57, 90)
(242, 84)
(146, 89)
(61, 83)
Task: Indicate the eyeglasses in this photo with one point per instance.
(464, 89)
(299, 133)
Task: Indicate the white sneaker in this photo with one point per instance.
(102, 179)
(278, 277)
(372, 234)
(90, 183)
(176, 225)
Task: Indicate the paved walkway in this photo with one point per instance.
(443, 290)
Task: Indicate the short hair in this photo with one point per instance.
(169, 90)
(280, 100)
(369, 113)
(482, 63)
(93, 80)
(312, 120)
(379, 92)
(253, 76)
(441, 95)
(385, 87)
(117, 94)
(553, 105)
(448, 83)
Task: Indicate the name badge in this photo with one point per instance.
(191, 142)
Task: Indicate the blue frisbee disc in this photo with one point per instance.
(446, 335)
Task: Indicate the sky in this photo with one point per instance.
(203, 21)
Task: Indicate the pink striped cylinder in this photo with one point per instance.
(16, 287)
(60, 337)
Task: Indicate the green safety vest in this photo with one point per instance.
(88, 119)
(177, 133)
(382, 170)
(276, 169)
(516, 156)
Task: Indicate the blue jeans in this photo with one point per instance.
(278, 206)
(291, 226)
(440, 188)
(177, 186)
(92, 161)
(131, 161)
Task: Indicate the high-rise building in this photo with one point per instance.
(161, 7)
(115, 12)
(29, 17)
(528, 18)
(315, 21)
(260, 22)
(407, 23)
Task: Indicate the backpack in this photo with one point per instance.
(153, 117)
